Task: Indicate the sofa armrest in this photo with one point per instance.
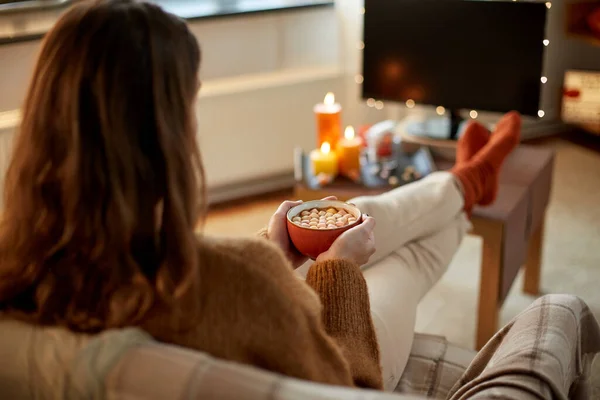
(158, 371)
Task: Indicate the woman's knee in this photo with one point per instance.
(362, 202)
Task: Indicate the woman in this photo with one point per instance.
(105, 190)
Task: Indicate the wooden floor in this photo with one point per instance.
(244, 217)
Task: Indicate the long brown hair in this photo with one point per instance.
(102, 195)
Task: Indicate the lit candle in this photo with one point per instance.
(324, 161)
(349, 153)
(329, 121)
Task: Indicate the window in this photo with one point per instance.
(184, 8)
(206, 8)
(30, 4)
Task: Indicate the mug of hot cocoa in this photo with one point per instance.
(313, 226)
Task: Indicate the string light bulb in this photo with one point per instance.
(379, 105)
(544, 79)
(410, 103)
(541, 113)
(363, 11)
(548, 5)
(473, 114)
(360, 45)
(546, 42)
(371, 102)
(359, 79)
(440, 110)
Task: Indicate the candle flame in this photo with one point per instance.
(325, 148)
(329, 99)
(349, 133)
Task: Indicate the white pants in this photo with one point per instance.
(419, 228)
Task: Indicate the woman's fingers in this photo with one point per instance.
(287, 206)
(368, 223)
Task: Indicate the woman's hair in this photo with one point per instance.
(104, 189)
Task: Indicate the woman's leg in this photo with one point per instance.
(398, 282)
(419, 228)
(412, 212)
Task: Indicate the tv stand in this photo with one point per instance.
(440, 128)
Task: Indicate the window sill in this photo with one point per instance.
(191, 10)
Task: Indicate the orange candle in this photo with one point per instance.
(329, 121)
(348, 151)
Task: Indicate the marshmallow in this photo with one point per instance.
(330, 218)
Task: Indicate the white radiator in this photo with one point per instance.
(248, 128)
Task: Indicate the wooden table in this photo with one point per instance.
(512, 228)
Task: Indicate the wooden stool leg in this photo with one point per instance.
(489, 289)
(533, 266)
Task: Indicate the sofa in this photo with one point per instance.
(127, 364)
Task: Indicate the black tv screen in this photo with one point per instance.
(460, 54)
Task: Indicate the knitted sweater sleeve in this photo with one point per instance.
(347, 317)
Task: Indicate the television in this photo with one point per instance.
(456, 54)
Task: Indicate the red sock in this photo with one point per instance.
(471, 141)
(479, 175)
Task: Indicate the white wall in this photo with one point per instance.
(16, 65)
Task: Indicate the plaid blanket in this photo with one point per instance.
(544, 353)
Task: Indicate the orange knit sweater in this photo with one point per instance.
(253, 309)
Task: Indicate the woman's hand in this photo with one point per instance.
(356, 244)
(277, 232)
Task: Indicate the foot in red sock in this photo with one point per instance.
(479, 175)
(471, 141)
(503, 141)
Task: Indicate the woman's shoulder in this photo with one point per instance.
(245, 253)
(254, 266)
(236, 247)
